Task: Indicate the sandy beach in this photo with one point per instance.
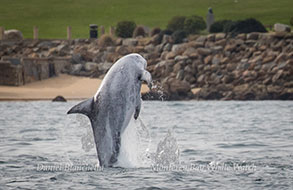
(70, 87)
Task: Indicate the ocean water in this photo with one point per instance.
(219, 144)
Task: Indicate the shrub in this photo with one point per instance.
(291, 21)
(139, 31)
(167, 32)
(194, 24)
(219, 26)
(176, 23)
(106, 40)
(244, 26)
(124, 29)
(178, 36)
(155, 31)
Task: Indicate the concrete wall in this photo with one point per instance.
(11, 74)
(19, 71)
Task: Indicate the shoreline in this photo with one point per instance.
(70, 87)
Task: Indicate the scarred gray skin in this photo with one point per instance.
(116, 101)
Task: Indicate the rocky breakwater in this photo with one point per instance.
(215, 67)
(251, 66)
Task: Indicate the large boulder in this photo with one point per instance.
(13, 35)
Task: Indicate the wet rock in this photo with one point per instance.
(59, 99)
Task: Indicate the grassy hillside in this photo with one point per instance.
(52, 16)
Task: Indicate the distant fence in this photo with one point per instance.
(68, 31)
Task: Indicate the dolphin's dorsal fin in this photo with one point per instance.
(85, 107)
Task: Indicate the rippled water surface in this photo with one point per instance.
(223, 145)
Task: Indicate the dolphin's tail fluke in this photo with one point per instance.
(85, 107)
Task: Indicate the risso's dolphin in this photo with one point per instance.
(116, 101)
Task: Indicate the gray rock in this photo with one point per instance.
(76, 59)
(166, 39)
(61, 47)
(104, 67)
(149, 48)
(178, 48)
(159, 48)
(156, 39)
(220, 36)
(204, 51)
(282, 27)
(217, 48)
(180, 58)
(167, 47)
(180, 75)
(252, 36)
(201, 39)
(90, 66)
(75, 69)
(45, 44)
(216, 60)
(130, 42)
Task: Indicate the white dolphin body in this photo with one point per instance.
(116, 101)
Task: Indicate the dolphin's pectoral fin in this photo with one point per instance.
(84, 107)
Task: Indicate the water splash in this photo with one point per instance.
(157, 92)
(167, 152)
(136, 143)
(87, 139)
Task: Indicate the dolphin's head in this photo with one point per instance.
(141, 64)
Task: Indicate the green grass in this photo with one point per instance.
(53, 16)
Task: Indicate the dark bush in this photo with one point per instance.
(178, 36)
(155, 31)
(219, 26)
(167, 32)
(176, 23)
(164, 32)
(194, 24)
(124, 29)
(139, 31)
(244, 26)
